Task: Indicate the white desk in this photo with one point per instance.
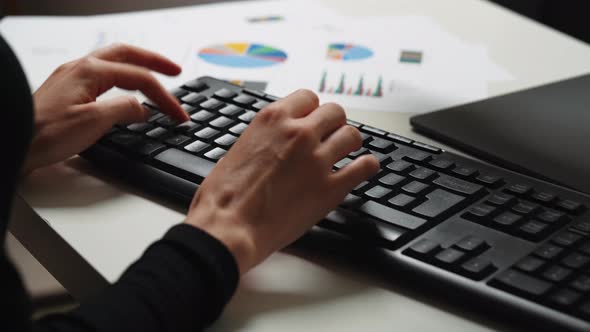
(96, 226)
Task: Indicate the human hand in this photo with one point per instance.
(68, 119)
(277, 180)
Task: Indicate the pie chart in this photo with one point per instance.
(348, 52)
(242, 55)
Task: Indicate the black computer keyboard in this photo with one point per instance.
(513, 243)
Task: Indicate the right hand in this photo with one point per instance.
(277, 181)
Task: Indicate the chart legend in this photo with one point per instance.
(411, 57)
(242, 55)
(357, 88)
(348, 52)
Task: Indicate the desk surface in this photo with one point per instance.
(96, 226)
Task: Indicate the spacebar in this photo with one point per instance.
(186, 162)
(390, 215)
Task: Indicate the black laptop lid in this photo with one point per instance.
(543, 131)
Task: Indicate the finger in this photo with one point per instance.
(342, 142)
(120, 110)
(131, 77)
(299, 103)
(137, 56)
(359, 170)
(326, 119)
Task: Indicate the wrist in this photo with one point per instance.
(228, 229)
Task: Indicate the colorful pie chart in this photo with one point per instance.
(348, 52)
(242, 55)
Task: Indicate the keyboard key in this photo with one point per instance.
(582, 225)
(422, 173)
(124, 139)
(490, 179)
(206, 133)
(442, 163)
(245, 100)
(216, 153)
(342, 162)
(366, 138)
(548, 251)
(481, 211)
(248, 116)
(157, 132)
(518, 189)
(212, 104)
(230, 110)
(518, 281)
(477, 267)
(417, 155)
(500, 199)
(391, 216)
(148, 148)
(178, 92)
(391, 179)
(167, 121)
(177, 140)
(238, 129)
(533, 228)
(524, 207)
(353, 123)
(193, 99)
(567, 238)
(140, 127)
(507, 219)
(575, 260)
(415, 187)
(196, 146)
(438, 202)
(195, 85)
(381, 145)
(186, 162)
(382, 158)
(471, 243)
(226, 140)
(543, 197)
(422, 248)
(202, 116)
(225, 93)
(581, 283)
(556, 273)
(256, 93)
(465, 171)
(360, 186)
(401, 200)
(260, 105)
(570, 206)
(187, 127)
(458, 185)
(550, 216)
(358, 152)
(530, 264)
(377, 192)
(221, 122)
(564, 297)
(188, 109)
(351, 200)
(449, 256)
(400, 166)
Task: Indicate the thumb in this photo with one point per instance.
(121, 110)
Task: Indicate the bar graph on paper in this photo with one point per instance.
(359, 85)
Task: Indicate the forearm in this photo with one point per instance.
(181, 283)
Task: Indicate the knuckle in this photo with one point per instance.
(269, 115)
(309, 95)
(86, 65)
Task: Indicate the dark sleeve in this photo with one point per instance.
(181, 283)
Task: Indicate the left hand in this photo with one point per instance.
(68, 119)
